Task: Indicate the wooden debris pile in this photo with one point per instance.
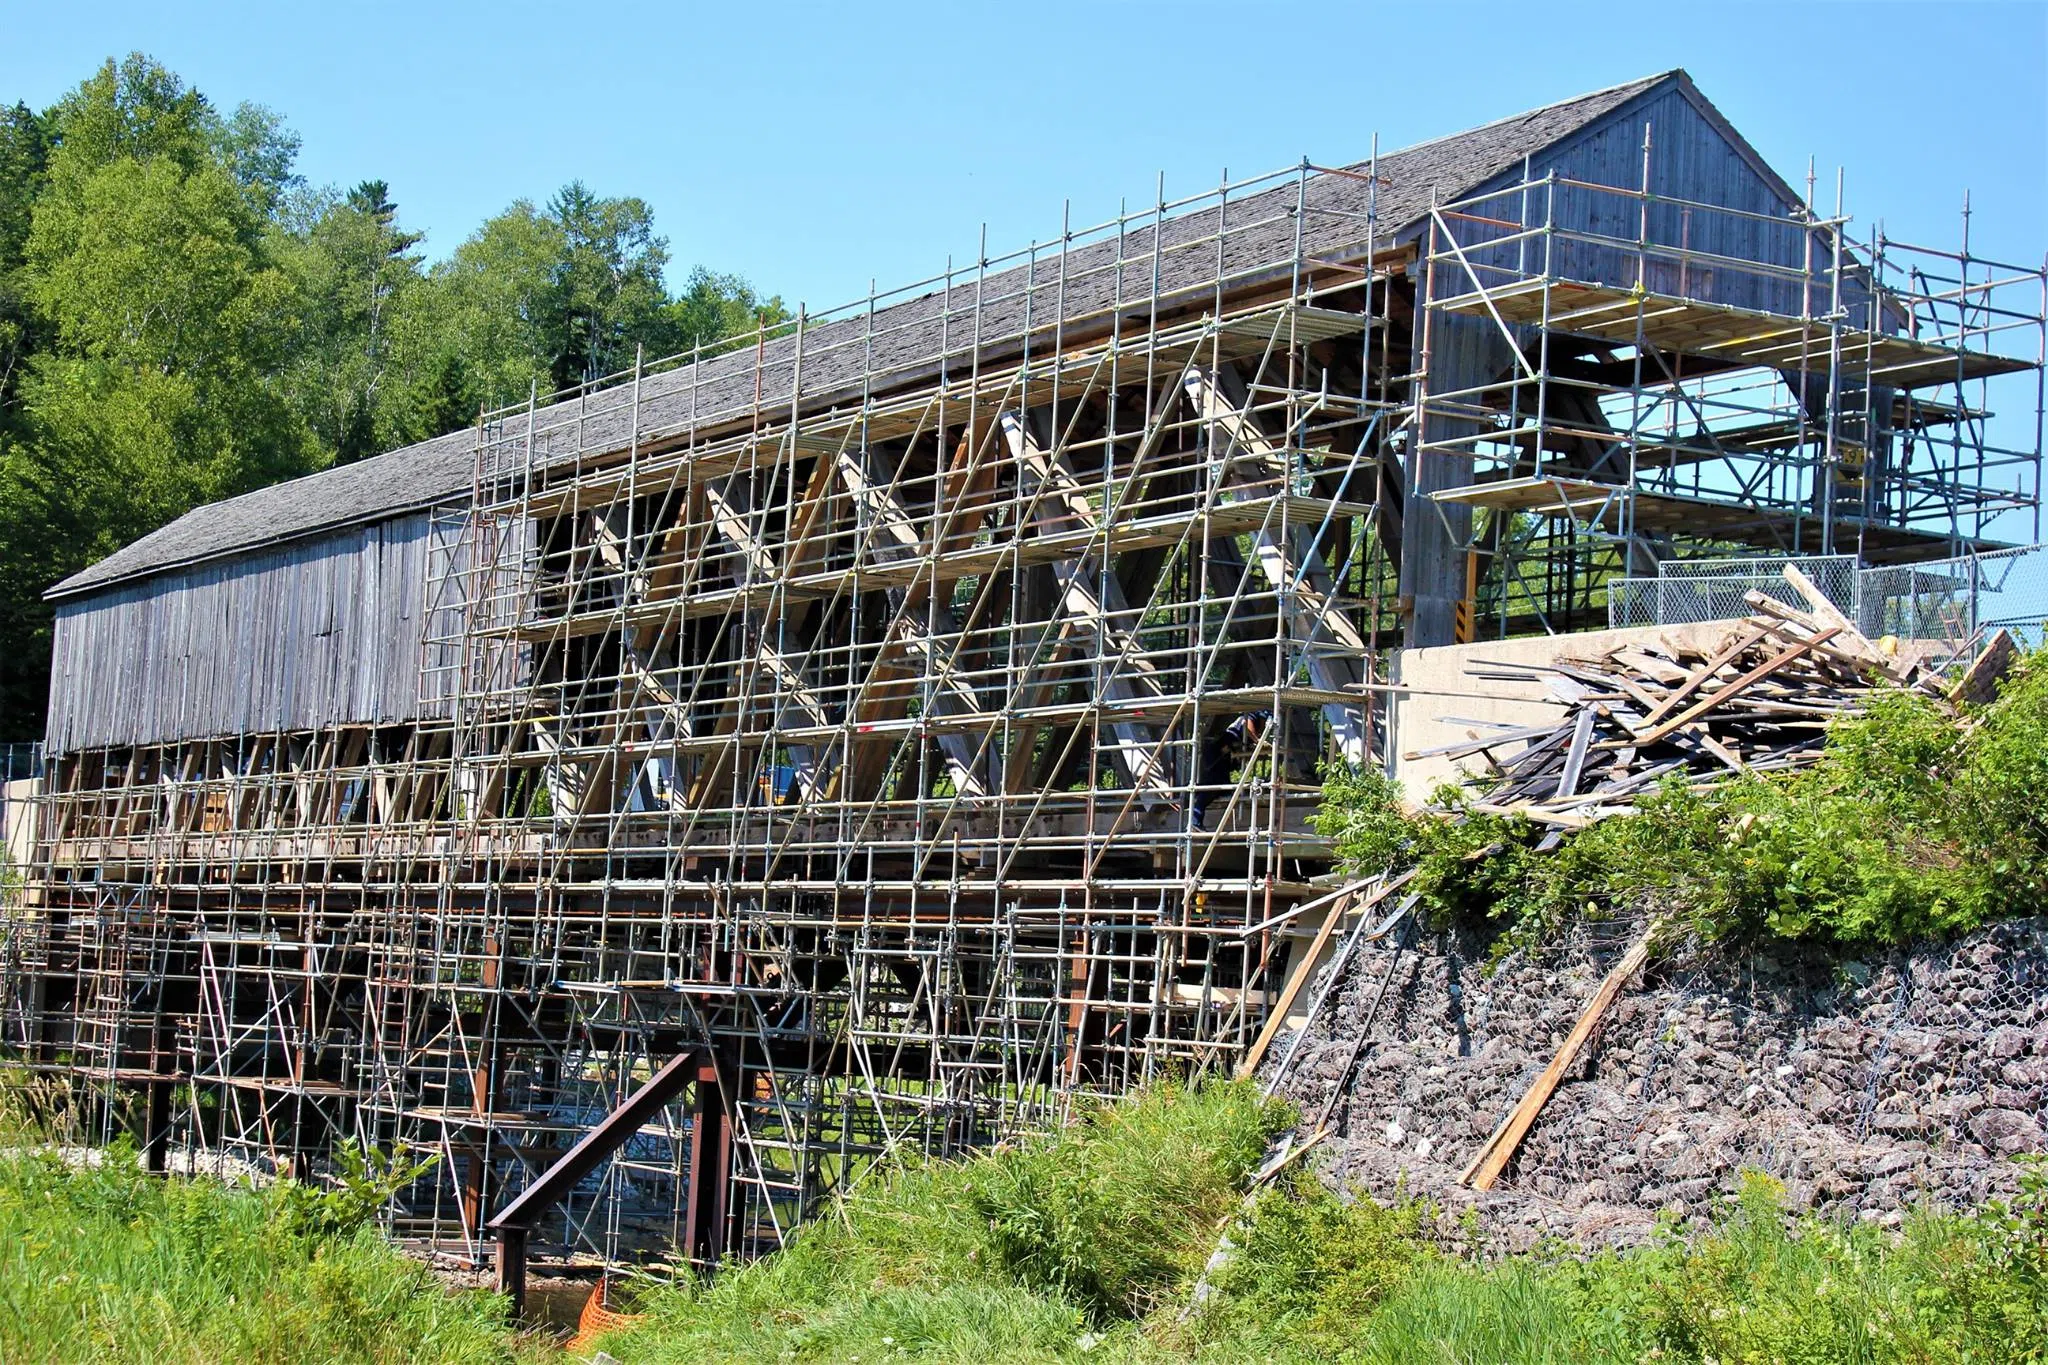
(1759, 703)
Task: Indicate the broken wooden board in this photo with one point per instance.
(1979, 684)
(1373, 890)
(1492, 1158)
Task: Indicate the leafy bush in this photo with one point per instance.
(1910, 826)
(364, 1184)
(1361, 816)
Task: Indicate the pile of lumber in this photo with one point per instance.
(1759, 702)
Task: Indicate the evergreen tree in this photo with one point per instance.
(608, 295)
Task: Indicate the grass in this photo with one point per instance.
(106, 1263)
(1086, 1246)
(1079, 1246)
(1023, 1254)
(1759, 1288)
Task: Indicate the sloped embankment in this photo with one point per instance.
(1866, 1084)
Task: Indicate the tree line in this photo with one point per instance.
(184, 318)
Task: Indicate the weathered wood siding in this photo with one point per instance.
(1689, 159)
(322, 631)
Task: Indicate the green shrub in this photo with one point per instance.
(1999, 787)
(1111, 1214)
(364, 1183)
(1021, 1254)
(1361, 816)
(1910, 826)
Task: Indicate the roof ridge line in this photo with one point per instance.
(1643, 82)
(282, 511)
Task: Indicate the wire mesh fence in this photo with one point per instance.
(1689, 590)
(1958, 600)
(1955, 601)
(1841, 1077)
(1865, 1083)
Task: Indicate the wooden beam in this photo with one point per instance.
(1704, 674)
(1979, 683)
(1575, 756)
(1824, 611)
(1292, 564)
(1090, 601)
(885, 694)
(1492, 1159)
(1740, 685)
(1299, 975)
(703, 1233)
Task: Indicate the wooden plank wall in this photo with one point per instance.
(321, 631)
(1690, 159)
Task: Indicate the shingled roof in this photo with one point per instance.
(440, 471)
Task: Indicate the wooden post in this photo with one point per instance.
(1080, 977)
(512, 1268)
(1304, 967)
(476, 1168)
(156, 1135)
(156, 1123)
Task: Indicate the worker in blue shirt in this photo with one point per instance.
(1224, 749)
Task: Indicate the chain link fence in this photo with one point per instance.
(1686, 591)
(1956, 601)
(1875, 1080)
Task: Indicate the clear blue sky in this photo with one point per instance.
(812, 147)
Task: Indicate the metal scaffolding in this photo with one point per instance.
(931, 750)
(1664, 379)
(918, 709)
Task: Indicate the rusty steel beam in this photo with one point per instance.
(516, 1219)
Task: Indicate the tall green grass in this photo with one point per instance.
(1058, 1246)
(1084, 1245)
(1087, 1245)
(105, 1263)
(1760, 1288)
